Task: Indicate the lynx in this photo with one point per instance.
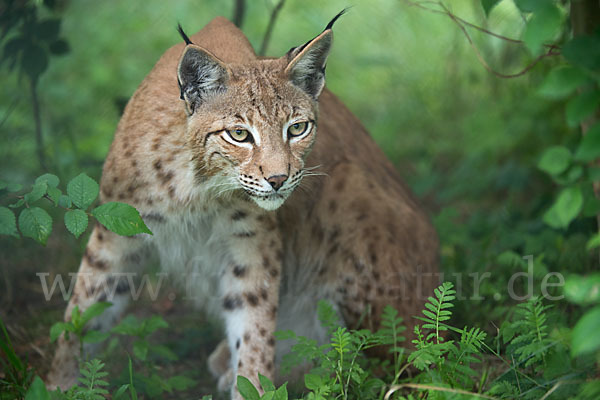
(218, 149)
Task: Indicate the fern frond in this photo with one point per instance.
(437, 311)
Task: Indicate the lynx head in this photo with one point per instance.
(253, 124)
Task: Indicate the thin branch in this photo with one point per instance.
(269, 32)
(461, 24)
(239, 11)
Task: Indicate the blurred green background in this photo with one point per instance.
(465, 140)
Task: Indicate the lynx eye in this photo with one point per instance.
(297, 129)
(240, 135)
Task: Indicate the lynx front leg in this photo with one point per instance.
(250, 294)
(100, 277)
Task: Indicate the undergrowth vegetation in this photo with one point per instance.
(508, 167)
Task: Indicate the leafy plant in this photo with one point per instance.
(35, 222)
(78, 323)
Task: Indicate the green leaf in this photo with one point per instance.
(488, 5)
(51, 180)
(561, 82)
(140, 349)
(180, 382)
(555, 160)
(54, 195)
(83, 190)
(583, 51)
(13, 187)
(120, 218)
(589, 148)
(153, 323)
(37, 390)
(65, 201)
(566, 207)
(8, 222)
(48, 29)
(583, 290)
(128, 326)
(530, 5)
(313, 382)
(95, 337)
(35, 223)
(266, 383)
(76, 222)
(282, 394)
(34, 61)
(38, 190)
(247, 389)
(543, 27)
(585, 337)
(59, 47)
(59, 328)
(581, 107)
(120, 392)
(93, 311)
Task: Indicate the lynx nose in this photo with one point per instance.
(276, 181)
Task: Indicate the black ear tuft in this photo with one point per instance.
(185, 37)
(330, 24)
(306, 68)
(200, 75)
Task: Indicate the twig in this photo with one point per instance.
(461, 24)
(267, 37)
(239, 11)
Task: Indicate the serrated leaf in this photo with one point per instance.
(583, 50)
(37, 192)
(17, 204)
(120, 218)
(35, 223)
(51, 180)
(543, 27)
(561, 82)
(247, 389)
(281, 393)
(76, 222)
(8, 222)
(566, 207)
(555, 160)
(585, 338)
(83, 190)
(582, 106)
(589, 148)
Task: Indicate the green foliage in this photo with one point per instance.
(82, 191)
(77, 325)
(120, 218)
(17, 376)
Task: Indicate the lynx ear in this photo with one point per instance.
(306, 68)
(200, 75)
